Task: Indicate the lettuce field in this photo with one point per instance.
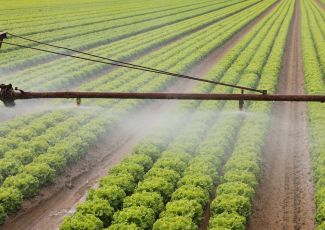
(125, 164)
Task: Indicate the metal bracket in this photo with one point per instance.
(78, 101)
(241, 102)
(6, 95)
(3, 35)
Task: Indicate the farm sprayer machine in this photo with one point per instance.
(9, 94)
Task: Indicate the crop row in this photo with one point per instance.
(94, 39)
(232, 205)
(319, 14)
(314, 84)
(197, 179)
(211, 152)
(72, 71)
(57, 16)
(318, 33)
(21, 136)
(27, 182)
(105, 24)
(18, 123)
(94, 15)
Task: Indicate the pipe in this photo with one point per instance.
(169, 96)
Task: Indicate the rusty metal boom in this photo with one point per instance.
(8, 95)
(171, 96)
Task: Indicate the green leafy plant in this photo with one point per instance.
(99, 208)
(141, 216)
(150, 200)
(80, 222)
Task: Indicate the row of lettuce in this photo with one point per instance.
(96, 35)
(74, 71)
(232, 205)
(174, 191)
(82, 24)
(25, 170)
(313, 47)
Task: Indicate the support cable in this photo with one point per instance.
(122, 64)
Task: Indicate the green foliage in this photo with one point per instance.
(43, 172)
(171, 163)
(185, 208)
(167, 174)
(238, 188)
(141, 216)
(150, 200)
(99, 208)
(11, 199)
(123, 226)
(27, 184)
(9, 167)
(176, 154)
(124, 181)
(201, 168)
(55, 161)
(240, 176)
(242, 164)
(228, 221)
(22, 155)
(3, 215)
(135, 170)
(175, 223)
(231, 203)
(39, 146)
(203, 181)
(190, 192)
(81, 222)
(320, 213)
(159, 185)
(113, 194)
(141, 159)
(321, 226)
(148, 149)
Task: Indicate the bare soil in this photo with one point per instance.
(321, 4)
(284, 198)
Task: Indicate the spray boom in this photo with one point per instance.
(8, 95)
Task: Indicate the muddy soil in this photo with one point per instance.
(321, 4)
(284, 198)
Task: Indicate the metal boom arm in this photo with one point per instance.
(8, 95)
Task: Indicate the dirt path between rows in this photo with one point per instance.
(284, 198)
(320, 4)
(47, 210)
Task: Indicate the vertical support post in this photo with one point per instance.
(78, 101)
(241, 102)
